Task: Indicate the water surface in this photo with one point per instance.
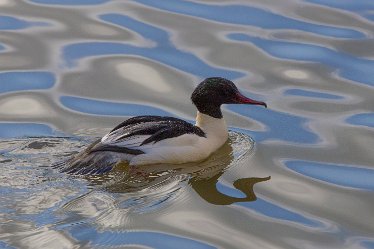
(296, 175)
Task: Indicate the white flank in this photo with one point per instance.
(188, 147)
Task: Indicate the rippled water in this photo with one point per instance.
(72, 69)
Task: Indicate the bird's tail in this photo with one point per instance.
(87, 162)
(94, 163)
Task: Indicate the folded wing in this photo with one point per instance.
(137, 134)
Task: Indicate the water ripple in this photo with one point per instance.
(12, 130)
(346, 4)
(165, 52)
(21, 81)
(154, 239)
(161, 37)
(362, 7)
(281, 126)
(311, 94)
(13, 23)
(99, 107)
(349, 66)
(272, 210)
(70, 2)
(246, 15)
(342, 175)
(362, 119)
(310, 60)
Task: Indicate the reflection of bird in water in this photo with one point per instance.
(203, 176)
(207, 189)
(146, 140)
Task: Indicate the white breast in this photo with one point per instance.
(215, 130)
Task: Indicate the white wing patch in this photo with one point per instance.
(131, 142)
(121, 133)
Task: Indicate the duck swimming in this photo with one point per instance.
(146, 140)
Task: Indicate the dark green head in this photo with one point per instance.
(210, 94)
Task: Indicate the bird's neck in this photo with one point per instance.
(214, 128)
(210, 109)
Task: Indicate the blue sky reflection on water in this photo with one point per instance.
(12, 130)
(349, 66)
(342, 175)
(157, 240)
(369, 243)
(26, 80)
(280, 126)
(13, 23)
(164, 52)
(5, 246)
(357, 5)
(247, 15)
(362, 119)
(312, 94)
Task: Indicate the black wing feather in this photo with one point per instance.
(157, 126)
(113, 148)
(173, 131)
(144, 119)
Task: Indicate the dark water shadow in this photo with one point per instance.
(208, 191)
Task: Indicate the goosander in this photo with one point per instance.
(146, 140)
